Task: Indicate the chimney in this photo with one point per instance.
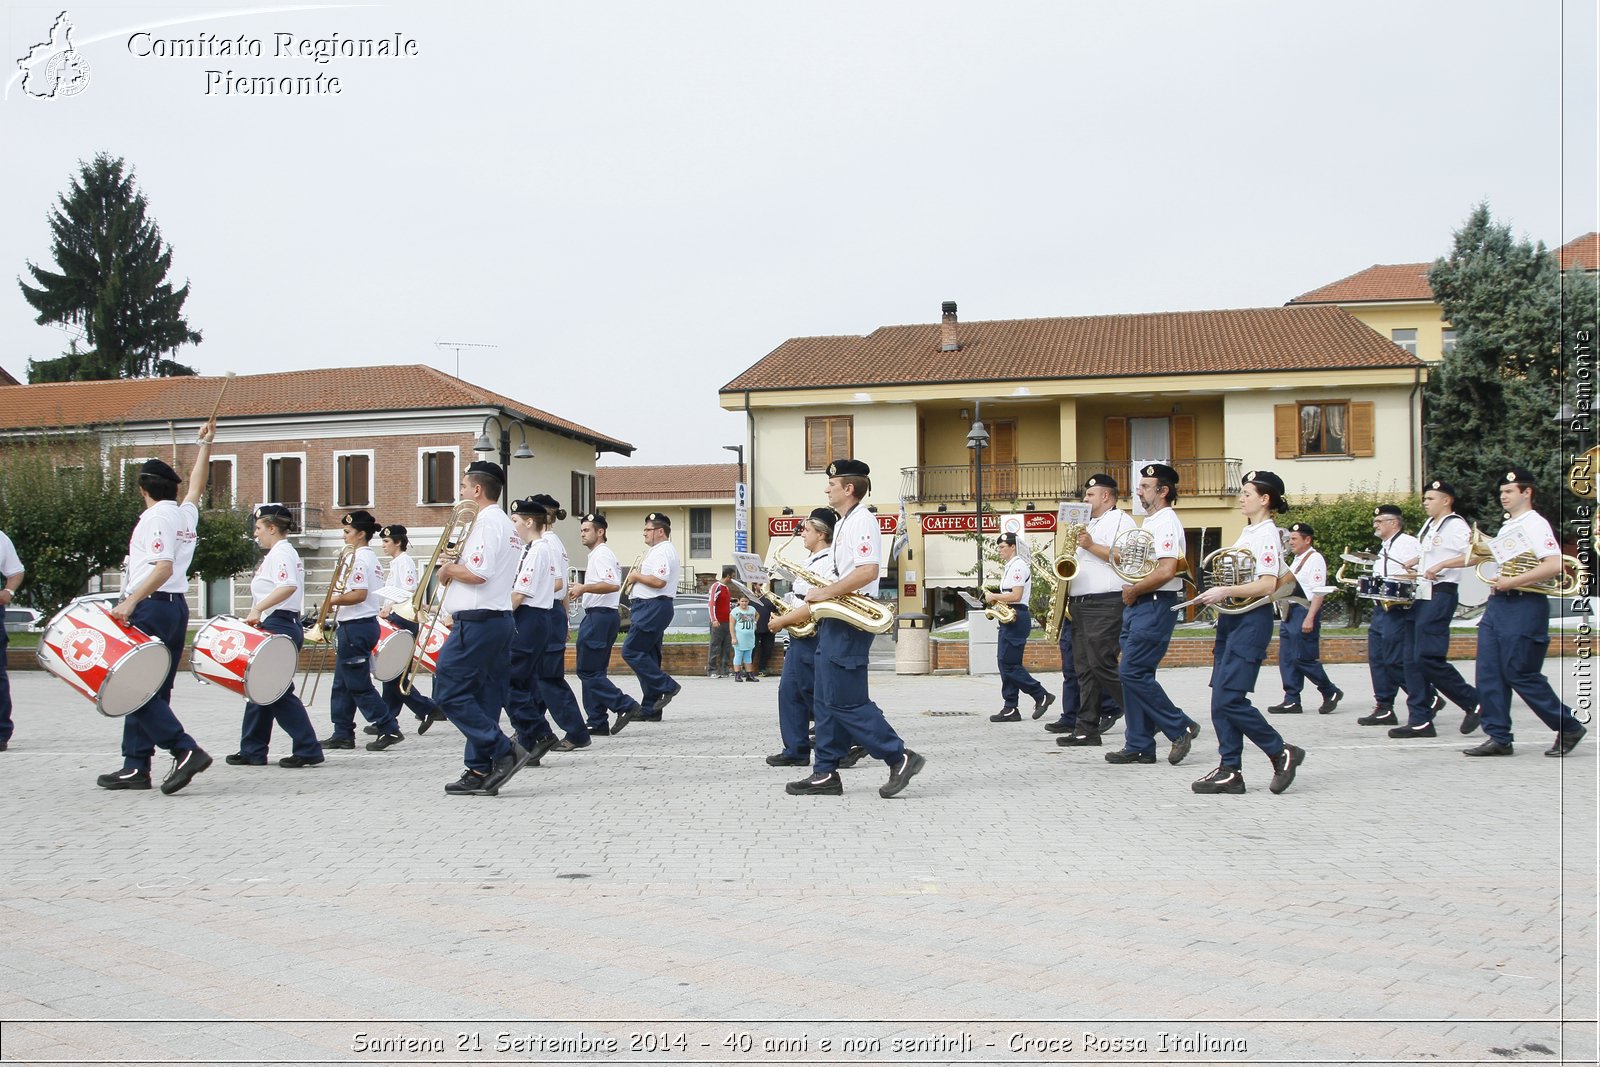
(947, 327)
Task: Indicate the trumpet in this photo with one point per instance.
(318, 632)
(627, 580)
(852, 609)
(1568, 582)
(426, 608)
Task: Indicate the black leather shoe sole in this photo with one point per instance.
(1122, 755)
(293, 762)
(1470, 722)
(239, 759)
(117, 781)
(780, 760)
(831, 787)
(338, 742)
(1490, 747)
(1079, 741)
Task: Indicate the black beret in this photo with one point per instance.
(273, 511)
(1266, 480)
(1160, 472)
(596, 519)
(1512, 476)
(160, 470)
(528, 505)
(825, 517)
(839, 468)
(483, 466)
(656, 518)
(1006, 539)
(1437, 486)
(360, 520)
(1303, 528)
(548, 502)
(1104, 481)
(1387, 509)
(394, 531)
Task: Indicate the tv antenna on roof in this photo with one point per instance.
(458, 346)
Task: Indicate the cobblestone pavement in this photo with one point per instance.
(1019, 902)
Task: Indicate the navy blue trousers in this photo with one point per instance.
(551, 670)
(1300, 656)
(1146, 633)
(1392, 661)
(1512, 640)
(469, 689)
(255, 732)
(524, 703)
(352, 681)
(154, 725)
(1432, 649)
(844, 712)
(597, 635)
(797, 695)
(1236, 659)
(5, 689)
(1014, 677)
(641, 649)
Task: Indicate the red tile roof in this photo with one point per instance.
(325, 391)
(1193, 342)
(1580, 253)
(1380, 282)
(682, 481)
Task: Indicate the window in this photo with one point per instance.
(219, 483)
(284, 480)
(130, 474)
(1406, 339)
(827, 438)
(582, 493)
(352, 480)
(1324, 428)
(1448, 341)
(436, 476)
(699, 533)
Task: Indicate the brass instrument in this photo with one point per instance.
(1133, 555)
(318, 633)
(426, 606)
(800, 629)
(1363, 561)
(852, 609)
(1058, 575)
(1237, 566)
(628, 579)
(1065, 565)
(1569, 582)
(1001, 612)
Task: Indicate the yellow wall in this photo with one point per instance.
(1248, 422)
(1425, 318)
(885, 438)
(626, 534)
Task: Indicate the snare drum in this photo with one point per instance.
(392, 652)
(1386, 590)
(118, 667)
(256, 664)
(436, 639)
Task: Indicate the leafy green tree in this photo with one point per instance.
(226, 547)
(1496, 401)
(110, 283)
(1345, 522)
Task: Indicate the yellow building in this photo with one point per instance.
(1306, 391)
(697, 497)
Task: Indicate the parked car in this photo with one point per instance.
(575, 616)
(23, 621)
(691, 614)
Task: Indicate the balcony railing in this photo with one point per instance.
(307, 517)
(1057, 481)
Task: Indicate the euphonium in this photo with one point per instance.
(1235, 566)
(1569, 582)
(317, 633)
(852, 609)
(425, 605)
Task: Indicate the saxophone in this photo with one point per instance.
(852, 609)
(1058, 576)
(801, 630)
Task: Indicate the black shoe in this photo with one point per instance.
(1180, 747)
(1286, 708)
(602, 730)
(752, 678)
(1490, 747)
(1566, 741)
(852, 757)
(239, 759)
(185, 765)
(664, 699)
(1221, 780)
(385, 741)
(1283, 765)
(130, 778)
(624, 717)
(818, 785)
(784, 760)
(1006, 715)
(1425, 730)
(470, 784)
(1382, 715)
(1471, 720)
(1043, 705)
(300, 761)
(642, 716)
(566, 744)
(1438, 703)
(901, 776)
(738, 677)
(338, 742)
(1108, 721)
(1061, 726)
(541, 747)
(1329, 703)
(504, 768)
(370, 728)
(425, 722)
(1077, 740)
(1125, 755)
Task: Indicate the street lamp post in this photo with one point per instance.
(978, 440)
(741, 533)
(485, 444)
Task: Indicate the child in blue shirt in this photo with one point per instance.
(743, 619)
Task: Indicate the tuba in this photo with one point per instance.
(1569, 582)
(852, 609)
(318, 632)
(426, 607)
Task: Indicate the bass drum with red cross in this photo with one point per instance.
(118, 667)
(256, 664)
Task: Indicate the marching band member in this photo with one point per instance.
(1091, 691)
(844, 711)
(1515, 633)
(159, 553)
(478, 599)
(534, 587)
(278, 597)
(651, 604)
(797, 683)
(11, 572)
(1241, 645)
(1300, 637)
(1444, 556)
(599, 593)
(354, 638)
(1016, 589)
(402, 575)
(1147, 624)
(554, 690)
(1390, 635)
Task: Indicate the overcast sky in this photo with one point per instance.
(636, 201)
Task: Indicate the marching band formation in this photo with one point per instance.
(488, 617)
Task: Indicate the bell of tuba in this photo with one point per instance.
(426, 602)
(852, 609)
(318, 633)
(1236, 566)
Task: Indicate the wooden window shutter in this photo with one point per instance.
(1286, 430)
(839, 437)
(816, 444)
(1116, 439)
(1363, 427)
(1183, 450)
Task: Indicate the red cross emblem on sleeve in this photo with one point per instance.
(155, 546)
(863, 549)
(477, 559)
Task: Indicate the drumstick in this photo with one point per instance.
(226, 378)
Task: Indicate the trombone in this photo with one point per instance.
(318, 633)
(426, 603)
